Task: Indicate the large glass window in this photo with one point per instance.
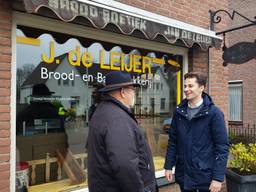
(235, 101)
(56, 77)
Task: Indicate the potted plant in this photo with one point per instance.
(241, 175)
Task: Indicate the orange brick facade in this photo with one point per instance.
(5, 92)
(246, 71)
(193, 12)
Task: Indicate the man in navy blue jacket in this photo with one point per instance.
(198, 144)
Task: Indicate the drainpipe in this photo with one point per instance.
(212, 28)
(209, 71)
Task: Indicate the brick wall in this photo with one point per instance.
(246, 71)
(190, 11)
(5, 91)
(196, 12)
(217, 85)
(218, 81)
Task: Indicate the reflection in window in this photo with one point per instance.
(156, 107)
(66, 82)
(54, 95)
(162, 103)
(157, 86)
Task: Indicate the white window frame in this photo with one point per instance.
(236, 83)
(162, 105)
(39, 22)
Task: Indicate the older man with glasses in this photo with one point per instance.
(119, 158)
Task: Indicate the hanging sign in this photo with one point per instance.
(239, 53)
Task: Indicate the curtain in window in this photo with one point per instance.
(235, 102)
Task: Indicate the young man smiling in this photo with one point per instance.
(198, 143)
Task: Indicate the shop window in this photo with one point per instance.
(235, 106)
(54, 95)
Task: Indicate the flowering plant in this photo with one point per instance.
(71, 114)
(243, 158)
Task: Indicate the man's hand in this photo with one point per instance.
(168, 175)
(215, 186)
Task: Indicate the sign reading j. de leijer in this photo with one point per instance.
(84, 61)
(137, 63)
(68, 10)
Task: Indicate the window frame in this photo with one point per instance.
(162, 103)
(40, 22)
(236, 83)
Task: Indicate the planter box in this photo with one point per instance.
(239, 183)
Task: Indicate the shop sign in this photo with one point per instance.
(239, 53)
(117, 61)
(68, 10)
(137, 63)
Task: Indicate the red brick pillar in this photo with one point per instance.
(217, 75)
(5, 92)
(219, 81)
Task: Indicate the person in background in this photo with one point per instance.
(96, 98)
(62, 114)
(119, 158)
(198, 145)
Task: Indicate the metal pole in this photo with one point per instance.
(46, 128)
(87, 98)
(236, 28)
(24, 128)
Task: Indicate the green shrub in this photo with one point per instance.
(71, 113)
(57, 104)
(244, 158)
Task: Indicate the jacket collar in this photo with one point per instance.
(120, 105)
(207, 102)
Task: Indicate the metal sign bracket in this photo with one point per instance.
(240, 52)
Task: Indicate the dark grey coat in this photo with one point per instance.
(119, 158)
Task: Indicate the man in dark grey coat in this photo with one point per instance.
(119, 158)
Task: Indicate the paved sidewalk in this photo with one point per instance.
(170, 188)
(175, 188)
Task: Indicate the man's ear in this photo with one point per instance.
(202, 87)
(122, 93)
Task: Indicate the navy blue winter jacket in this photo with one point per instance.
(198, 148)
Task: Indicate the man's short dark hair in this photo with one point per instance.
(200, 78)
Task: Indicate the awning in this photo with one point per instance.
(101, 16)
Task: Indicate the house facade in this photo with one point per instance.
(54, 51)
(241, 77)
